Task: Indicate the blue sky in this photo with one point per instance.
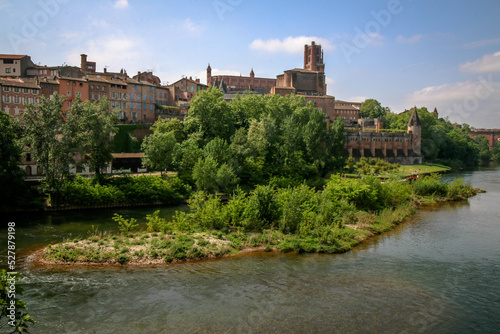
(443, 54)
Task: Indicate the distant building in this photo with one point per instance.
(16, 66)
(238, 84)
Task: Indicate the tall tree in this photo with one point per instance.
(51, 138)
(11, 176)
(372, 108)
(95, 129)
(158, 149)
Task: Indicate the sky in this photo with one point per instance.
(442, 54)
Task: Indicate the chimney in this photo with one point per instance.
(105, 70)
(198, 80)
(83, 58)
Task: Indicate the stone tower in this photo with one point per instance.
(313, 58)
(415, 127)
(209, 75)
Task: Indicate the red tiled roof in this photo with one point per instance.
(12, 56)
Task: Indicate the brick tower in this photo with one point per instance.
(415, 127)
(313, 58)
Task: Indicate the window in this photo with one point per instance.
(5, 88)
(156, 94)
(138, 106)
(131, 105)
(81, 85)
(16, 99)
(8, 61)
(93, 96)
(74, 83)
(5, 99)
(138, 97)
(144, 97)
(98, 87)
(7, 70)
(68, 93)
(150, 98)
(151, 107)
(134, 115)
(91, 86)
(131, 96)
(78, 94)
(135, 87)
(28, 157)
(112, 95)
(16, 89)
(150, 89)
(26, 90)
(69, 104)
(103, 88)
(34, 91)
(144, 117)
(144, 106)
(67, 83)
(165, 95)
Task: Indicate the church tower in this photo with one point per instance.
(209, 75)
(313, 58)
(415, 127)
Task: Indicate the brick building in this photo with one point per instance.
(240, 83)
(16, 65)
(15, 92)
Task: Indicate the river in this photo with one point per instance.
(439, 272)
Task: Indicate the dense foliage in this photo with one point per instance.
(144, 189)
(299, 218)
(250, 141)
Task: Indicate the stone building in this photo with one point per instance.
(370, 141)
(16, 92)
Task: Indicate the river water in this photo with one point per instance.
(437, 273)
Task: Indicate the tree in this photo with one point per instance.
(11, 176)
(170, 125)
(158, 149)
(51, 137)
(96, 130)
(372, 108)
(210, 115)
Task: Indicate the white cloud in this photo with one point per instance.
(329, 81)
(409, 40)
(114, 51)
(476, 102)
(190, 26)
(481, 43)
(289, 44)
(121, 4)
(489, 63)
(375, 39)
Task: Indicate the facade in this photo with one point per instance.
(370, 142)
(15, 92)
(239, 84)
(16, 66)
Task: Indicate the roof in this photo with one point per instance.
(414, 119)
(4, 56)
(73, 79)
(18, 82)
(346, 107)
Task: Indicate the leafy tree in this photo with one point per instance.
(95, 131)
(51, 137)
(11, 176)
(169, 125)
(496, 151)
(210, 115)
(372, 108)
(158, 149)
(205, 174)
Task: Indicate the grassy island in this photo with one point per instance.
(331, 220)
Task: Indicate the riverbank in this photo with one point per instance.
(299, 219)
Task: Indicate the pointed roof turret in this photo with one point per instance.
(208, 67)
(414, 119)
(252, 74)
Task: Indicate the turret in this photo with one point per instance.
(209, 75)
(415, 127)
